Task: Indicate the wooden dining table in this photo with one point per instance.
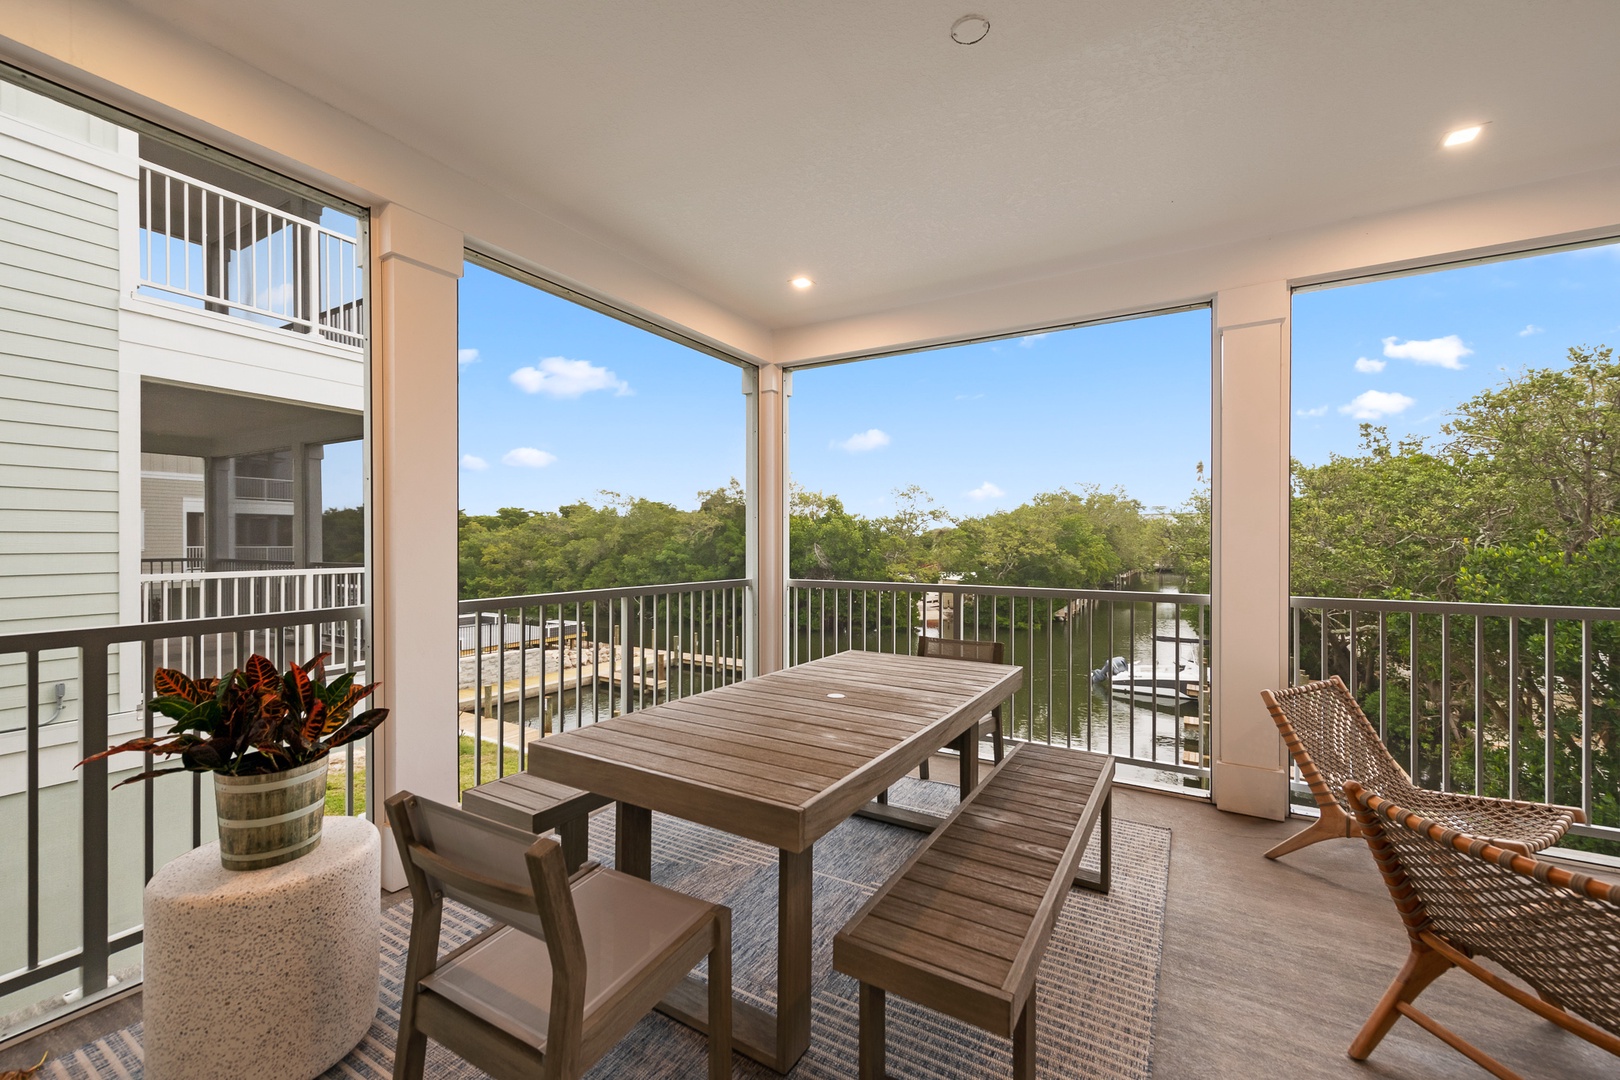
(780, 759)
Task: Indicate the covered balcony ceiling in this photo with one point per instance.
(196, 422)
(731, 145)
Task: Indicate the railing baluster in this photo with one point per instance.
(31, 804)
(1445, 702)
(1586, 717)
(93, 808)
(1479, 705)
(1513, 708)
(1550, 717)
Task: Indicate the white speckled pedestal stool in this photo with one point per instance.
(262, 972)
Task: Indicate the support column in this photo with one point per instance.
(414, 496)
(219, 523)
(767, 389)
(1249, 564)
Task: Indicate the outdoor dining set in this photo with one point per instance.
(578, 954)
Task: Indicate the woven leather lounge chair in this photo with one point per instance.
(1461, 898)
(1332, 741)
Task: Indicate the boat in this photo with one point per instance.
(1180, 682)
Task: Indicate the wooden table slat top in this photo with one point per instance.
(775, 758)
(967, 905)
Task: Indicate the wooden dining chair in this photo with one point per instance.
(1463, 898)
(984, 652)
(1332, 741)
(570, 966)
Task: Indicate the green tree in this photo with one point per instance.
(1054, 540)
(343, 536)
(1549, 443)
(1391, 521)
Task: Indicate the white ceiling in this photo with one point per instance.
(732, 144)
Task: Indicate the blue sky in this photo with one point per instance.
(984, 427)
(558, 403)
(1404, 352)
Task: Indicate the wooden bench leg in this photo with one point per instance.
(873, 1035)
(1103, 879)
(575, 837)
(1023, 1041)
(968, 748)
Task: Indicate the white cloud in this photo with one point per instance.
(473, 463)
(1370, 367)
(466, 356)
(986, 490)
(1446, 352)
(1376, 404)
(968, 397)
(1532, 328)
(527, 457)
(862, 441)
(1320, 410)
(558, 377)
(1028, 340)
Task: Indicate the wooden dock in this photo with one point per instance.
(649, 672)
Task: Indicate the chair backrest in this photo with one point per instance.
(1558, 931)
(983, 652)
(1332, 741)
(506, 873)
(986, 652)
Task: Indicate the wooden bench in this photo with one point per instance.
(962, 927)
(535, 805)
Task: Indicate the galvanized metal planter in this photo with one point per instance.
(272, 818)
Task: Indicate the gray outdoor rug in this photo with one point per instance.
(1098, 984)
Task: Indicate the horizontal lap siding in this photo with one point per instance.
(58, 400)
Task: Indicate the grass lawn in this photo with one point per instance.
(488, 755)
(335, 784)
(334, 780)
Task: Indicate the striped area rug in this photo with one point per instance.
(1098, 985)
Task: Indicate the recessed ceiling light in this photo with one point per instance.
(1462, 136)
(801, 282)
(970, 29)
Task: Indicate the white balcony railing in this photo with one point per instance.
(264, 489)
(203, 246)
(172, 597)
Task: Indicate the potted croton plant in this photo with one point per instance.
(265, 736)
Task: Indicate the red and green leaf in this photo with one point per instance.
(259, 671)
(315, 723)
(167, 682)
(359, 727)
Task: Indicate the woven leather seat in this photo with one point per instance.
(1332, 742)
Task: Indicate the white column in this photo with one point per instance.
(413, 506)
(767, 389)
(1249, 572)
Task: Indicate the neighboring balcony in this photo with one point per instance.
(207, 248)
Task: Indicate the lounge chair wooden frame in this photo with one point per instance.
(1462, 897)
(1332, 742)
